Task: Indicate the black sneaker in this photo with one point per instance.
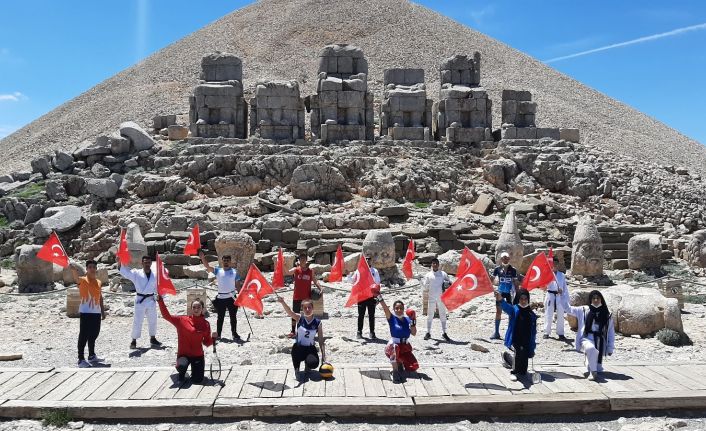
(372, 336)
(506, 359)
(236, 336)
(562, 338)
(154, 342)
(133, 345)
(427, 336)
(359, 335)
(545, 336)
(446, 337)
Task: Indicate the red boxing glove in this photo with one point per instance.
(412, 314)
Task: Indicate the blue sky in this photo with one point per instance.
(650, 54)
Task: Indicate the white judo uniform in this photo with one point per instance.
(145, 303)
(591, 342)
(433, 282)
(554, 301)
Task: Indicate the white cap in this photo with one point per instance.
(504, 254)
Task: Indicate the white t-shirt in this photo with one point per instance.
(226, 281)
(353, 278)
(434, 281)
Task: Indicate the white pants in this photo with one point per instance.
(148, 307)
(433, 304)
(589, 349)
(550, 304)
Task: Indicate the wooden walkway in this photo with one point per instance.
(358, 390)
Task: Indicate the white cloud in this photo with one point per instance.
(479, 16)
(644, 39)
(12, 97)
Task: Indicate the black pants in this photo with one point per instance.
(521, 359)
(299, 354)
(89, 328)
(297, 308)
(368, 304)
(197, 368)
(223, 304)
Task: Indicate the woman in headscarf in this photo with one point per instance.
(596, 333)
(521, 335)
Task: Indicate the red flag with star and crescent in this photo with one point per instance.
(471, 284)
(52, 251)
(123, 254)
(278, 276)
(254, 289)
(408, 258)
(467, 258)
(363, 287)
(539, 273)
(165, 286)
(337, 268)
(193, 244)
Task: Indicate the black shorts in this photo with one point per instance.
(299, 354)
(507, 297)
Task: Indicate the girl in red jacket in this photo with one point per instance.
(192, 332)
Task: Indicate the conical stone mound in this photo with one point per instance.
(510, 241)
(280, 39)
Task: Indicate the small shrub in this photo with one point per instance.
(32, 190)
(7, 264)
(695, 299)
(58, 418)
(421, 205)
(673, 338)
(3, 221)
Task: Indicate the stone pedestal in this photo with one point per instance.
(277, 111)
(194, 293)
(73, 301)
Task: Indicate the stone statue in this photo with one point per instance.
(587, 249)
(136, 245)
(645, 252)
(379, 246)
(240, 247)
(695, 252)
(518, 118)
(405, 111)
(277, 111)
(510, 241)
(33, 273)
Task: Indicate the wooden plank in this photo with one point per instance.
(564, 379)
(66, 387)
(253, 384)
(336, 386)
(131, 385)
(660, 383)
(189, 390)
(490, 381)
(12, 384)
(354, 382)
(111, 385)
(293, 387)
(504, 377)
(234, 383)
(111, 409)
(211, 389)
(52, 382)
(314, 386)
(413, 385)
(35, 369)
(658, 400)
(170, 387)
(450, 381)
(432, 383)
(692, 373)
(274, 383)
(372, 382)
(7, 375)
(392, 390)
(673, 376)
(470, 382)
(89, 386)
(620, 379)
(27, 385)
(150, 388)
(314, 407)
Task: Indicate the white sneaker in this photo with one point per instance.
(94, 359)
(84, 364)
(513, 377)
(592, 376)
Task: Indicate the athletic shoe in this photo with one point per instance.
(513, 377)
(562, 338)
(545, 336)
(446, 337)
(236, 336)
(506, 358)
(154, 342)
(592, 376)
(359, 335)
(83, 364)
(93, 359)
(495, 336)
(133, 345)
(396, 378)
(372, 336)
(427, 336)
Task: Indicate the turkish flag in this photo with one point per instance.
(363, 287)
(474, 282)
(164, 283)
(254, 289)
(278, 277)
(539, 274)
(123, 253)
(193, 244)
(408, 258)
(467, 259)
(336, 273)
(52, 251)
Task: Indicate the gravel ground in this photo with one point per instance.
(281, 39)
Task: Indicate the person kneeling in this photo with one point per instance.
(398, 349)
(521, 332)
(192, 332)
(307, 328)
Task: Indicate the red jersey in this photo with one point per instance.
(302, 283)
(192, 332)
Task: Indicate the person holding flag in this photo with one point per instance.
(91, 312)
(402, 326)
(145, 281)
(521, 332)
(308, 328)
(368, 302)
(433, 283)
(193, 332)
(505, 277)
(557, 294)
(303, 279)
(229, 282)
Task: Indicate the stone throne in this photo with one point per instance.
(463, 113)
(405, 112)
(342, 109)
(217, 108)
(277, 111)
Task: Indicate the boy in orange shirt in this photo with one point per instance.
(91, 312)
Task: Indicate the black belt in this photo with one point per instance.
(554, 293)
(144, 296)
(598, 340)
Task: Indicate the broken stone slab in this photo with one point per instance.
(59, 219)
(62, 161)
(393, 211)
(483, 204)
(140, 139)
(102, 187)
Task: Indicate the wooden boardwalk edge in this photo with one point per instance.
(111, 409)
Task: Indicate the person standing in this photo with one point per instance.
(557, 290)
(91, 312)
(433, 283)
(368, 304)
(307, 330)
(193, 332)
(398, 349)
(596, 331)
(228, 281)
(505, 277)
(521, 334)
(303, 279)
(145, 282)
